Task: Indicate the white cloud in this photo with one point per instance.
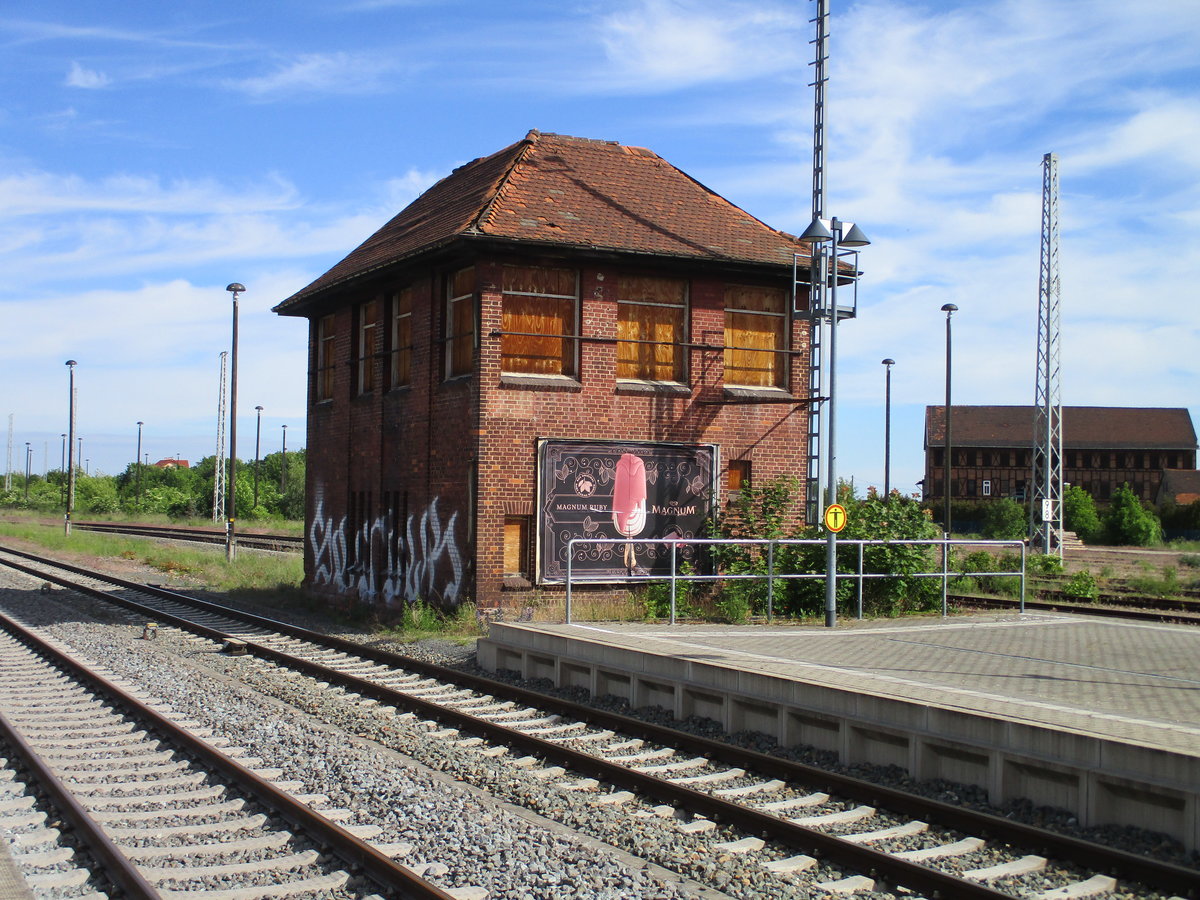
(43, 193)
(86, 78)
(321, 73)
(656, 45)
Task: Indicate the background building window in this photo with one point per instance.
(651, 322)
(516, 546)
(540, 312)
(460, 323)
(401, 336)
(325, 364)
(368, 345)
(755, 336)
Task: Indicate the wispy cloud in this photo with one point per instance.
(657, 45)
(320, 74)
(86, 78)
(41, 193)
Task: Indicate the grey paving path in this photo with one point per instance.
(1132, 682)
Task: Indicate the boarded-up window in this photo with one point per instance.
(739, 474)
(516, 545)
(368, 345)
(460, 323)
(755, 336)
(401, 336)
(539, 321)
(324, 363)
(651, 318)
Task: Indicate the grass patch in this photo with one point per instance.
(1167, 585)
(205, 565)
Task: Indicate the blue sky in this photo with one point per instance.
(151, 153)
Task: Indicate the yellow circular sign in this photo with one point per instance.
(835, 517)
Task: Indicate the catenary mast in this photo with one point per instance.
(1045, 510)
(817, 279)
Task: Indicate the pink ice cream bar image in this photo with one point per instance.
(629, 495)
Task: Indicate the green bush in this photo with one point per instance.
(874, 518)
(1080, 516)
(1004, 519)
(1081, 586)
(1130, 522)
(1039, 564)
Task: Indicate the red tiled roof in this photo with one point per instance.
(1180, 485)
(1083, 427)
(550, 189)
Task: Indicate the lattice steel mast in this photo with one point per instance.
(817, 280)
(1045, 510)
(219, 461)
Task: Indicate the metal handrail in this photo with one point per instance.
(674, 575)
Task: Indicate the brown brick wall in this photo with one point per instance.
(421, 445)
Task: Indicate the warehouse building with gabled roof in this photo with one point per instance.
(991, 451)
(491, 371)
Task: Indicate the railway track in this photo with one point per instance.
(246, 539)
(1138, 611)
(156, 807)
(787, 815)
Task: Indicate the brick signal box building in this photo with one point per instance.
(566, 339)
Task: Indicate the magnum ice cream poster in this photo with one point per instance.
(603, 489)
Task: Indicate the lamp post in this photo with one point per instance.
(28, 457)
(257, 446)
(843, 234)
(949, 309)
(71, 364)
(283, 464)
(62, 491)
(231, 494)
(137, 467)
(887, 432)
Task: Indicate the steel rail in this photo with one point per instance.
(389, 874)
(1115, 862)
(199, 535)
(1131, 614)
(118, 868)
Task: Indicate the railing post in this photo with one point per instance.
(1023, 548)
(570, 554)
(770, 579)
(945, 571)
(672, 582)
(860, 578)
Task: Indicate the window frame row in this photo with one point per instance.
(541, 310)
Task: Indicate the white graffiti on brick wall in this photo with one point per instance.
(423, 563)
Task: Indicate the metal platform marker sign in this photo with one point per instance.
(835, 517)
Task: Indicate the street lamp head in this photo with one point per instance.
(949, 308)
(259, 408)
(853, 237)
(235, 288)
(888, 362)
(140, 424)
(72, 363)
(817, 232)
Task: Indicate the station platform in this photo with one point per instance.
(1101, 718)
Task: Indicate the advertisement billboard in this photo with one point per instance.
(620, 489)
